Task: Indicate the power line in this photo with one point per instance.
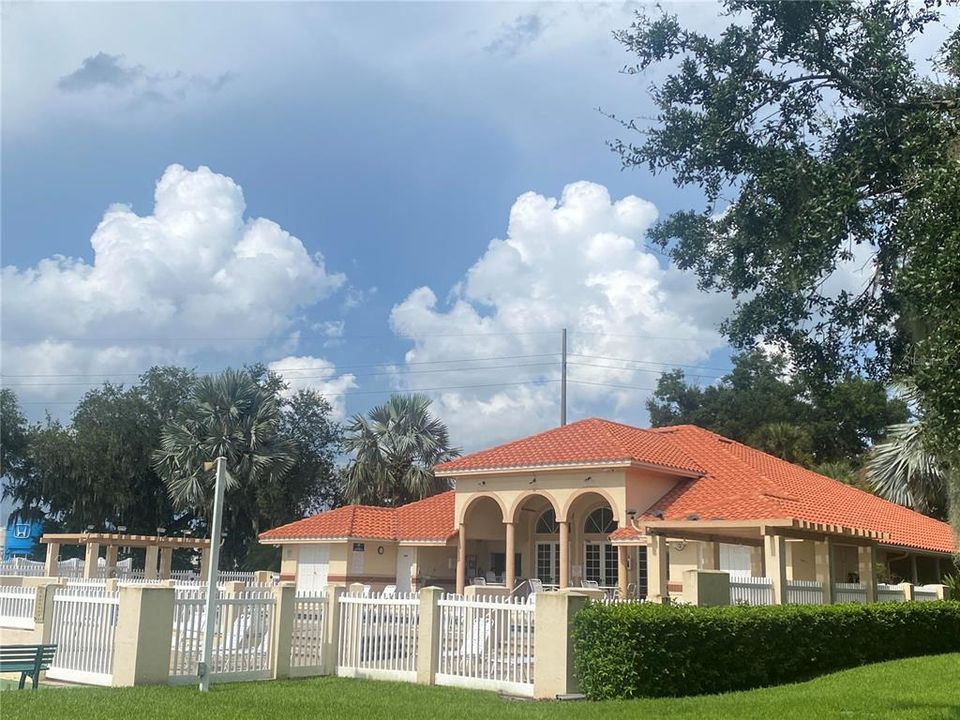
(632, 369)
(257, 338)
(651, 362)
(365, 392)
(338, 368)
(609, 385)
(290, 378)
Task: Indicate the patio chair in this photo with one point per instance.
(389, 591)
(590, 584)
(478, 580)
(475, 642)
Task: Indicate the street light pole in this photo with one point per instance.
(203, 669)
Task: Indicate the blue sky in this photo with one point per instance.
(388, 146)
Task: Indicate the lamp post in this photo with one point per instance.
(203, 668)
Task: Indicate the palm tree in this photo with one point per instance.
(233, 416)
(902, 470)
(395, 448)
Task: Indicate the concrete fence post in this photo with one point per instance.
(706, 588)
(141, 649)
(554, 672)
(943, 592)
(907, 590)
(428, 635)
(331, 633)
(263, 577)
(284, 617)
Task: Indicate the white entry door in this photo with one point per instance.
(405, 558)
(312, 567)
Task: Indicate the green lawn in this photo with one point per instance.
(915, 688)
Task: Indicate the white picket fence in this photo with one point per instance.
(378, 636)
(849, 593)
(17, 607)
(307, 642)
(486, 643)
(804, 592)
(924, 593)
(242, 637)
(83, 627)
(748, 590)
(889, 593)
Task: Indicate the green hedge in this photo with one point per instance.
(625, 650)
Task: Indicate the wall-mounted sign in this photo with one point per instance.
(356, 559)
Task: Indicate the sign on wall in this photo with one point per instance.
(356, 559)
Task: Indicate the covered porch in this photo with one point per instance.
(505, 543)
(790, 559)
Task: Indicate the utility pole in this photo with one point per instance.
(204, 668)
(563, 379)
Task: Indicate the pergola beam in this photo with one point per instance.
(120, 540)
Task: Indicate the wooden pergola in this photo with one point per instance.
(158, 548)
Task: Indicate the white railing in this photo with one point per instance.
(235, 576)
(378, 636)
(890, 593)
(804, 592)
(307, 643)
(241, 645)
(924, 593)
(17, 607)
(22, 567)
(83, 627)
(486, 643)
(849, 593)
(748, 590)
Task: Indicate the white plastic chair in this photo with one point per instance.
(389, 591)
(590, 584)
(478, 580)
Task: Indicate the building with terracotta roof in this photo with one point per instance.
(599, 502)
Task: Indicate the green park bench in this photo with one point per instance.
(26, 660)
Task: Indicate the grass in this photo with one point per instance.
(927, 687)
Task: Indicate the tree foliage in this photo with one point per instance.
(395, 448)
(100, 468)
(760, 404)
(823, 150)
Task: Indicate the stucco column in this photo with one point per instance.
(756, 561)
(868, 571)
(710, 555)
(775, 554)
(204, 563)
(914, 577)
(564, 554)
(150, 563)
(90, 560)
(658, 570)
(166, 562)
(112, 552)
(462, 559)
(52, 560)
(622, 570)
(823, 561)
(510, 572)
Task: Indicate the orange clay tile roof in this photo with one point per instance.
(587, 441)
(424, 520)
(741, 483)
(735, 483)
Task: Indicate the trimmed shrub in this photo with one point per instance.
(630, 650)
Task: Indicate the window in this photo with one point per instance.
(548, 562)
(600, 522)
(600, 563)
(498, 563)
(547, 523)
(641, 572)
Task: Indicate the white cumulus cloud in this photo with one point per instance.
(314, 373)
(195, 276)
(577, 262)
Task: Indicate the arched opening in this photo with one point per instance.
(595, 560)
(537, 539)
(485, 541)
